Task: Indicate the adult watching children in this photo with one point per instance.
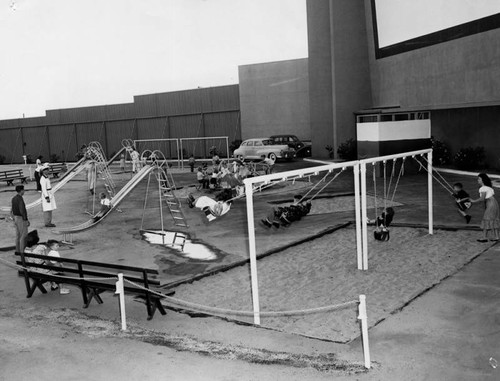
(20, 217)
(48, 199)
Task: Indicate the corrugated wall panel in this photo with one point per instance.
(11, 145)
(36, 143)
(120, 111)
(221, 98)
(155, 128)
(63, 142)
(90, 132)
(9, 123)
(116, 132)
(145, 105)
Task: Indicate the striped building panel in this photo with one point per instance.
(36, 143)
(116, 132)
(90, 132)
(11, 148)
(223, 124)
(63, 141)
(120, 111)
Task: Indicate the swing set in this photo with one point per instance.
(382, 232)
(360, 199)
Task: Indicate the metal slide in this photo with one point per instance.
(119, 196)
(65, 179)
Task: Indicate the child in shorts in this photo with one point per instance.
(462, 199)
(53, 246)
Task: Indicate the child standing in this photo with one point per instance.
(191, 162)
(202, 178)
(122, 162)
(462, 199)
(53, 246)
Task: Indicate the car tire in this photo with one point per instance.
(240, 157)
(272, 156)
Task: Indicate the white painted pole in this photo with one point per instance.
(357, 203)
(180, 163)
(121, 292)
(182, 155)
(364, 330)
(253, 253)
(429, 192)
(227, 149)
(364, 217)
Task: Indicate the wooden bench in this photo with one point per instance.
(56, 168)
(12, 174)
(88, 276)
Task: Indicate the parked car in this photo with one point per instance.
(302, 149)
(255, 148)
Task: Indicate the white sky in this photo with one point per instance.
(401, 20)
(74, 53)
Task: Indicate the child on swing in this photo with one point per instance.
(382, 223)
(462, 199)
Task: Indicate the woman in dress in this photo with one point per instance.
(491, 217)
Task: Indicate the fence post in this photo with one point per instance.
(121, 292)
(357, 202)
(364, 330)
(364, 217)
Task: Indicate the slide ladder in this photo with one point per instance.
(95, 151)
(167, 187)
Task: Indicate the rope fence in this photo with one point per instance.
(195, 307)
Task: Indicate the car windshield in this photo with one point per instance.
(267, 142)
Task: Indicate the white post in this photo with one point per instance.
(364, 330)
(179, 155)
(253, 253)
(364, 217)
(182, 155)
(357, 203)
(120, 291)
(227, 150)
(429, 192)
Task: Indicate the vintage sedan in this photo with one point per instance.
(255, 148)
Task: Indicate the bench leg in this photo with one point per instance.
(94, 294)
(153, 306)
(36, 284)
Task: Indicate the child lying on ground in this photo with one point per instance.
(212, 208)
(284, 216)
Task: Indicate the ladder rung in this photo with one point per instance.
(175, 210)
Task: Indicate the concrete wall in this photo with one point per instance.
(339, 76)
(274, 99)
(465, 71)
(469, 127)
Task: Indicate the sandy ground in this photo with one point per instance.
(323, 272)
(322, 269)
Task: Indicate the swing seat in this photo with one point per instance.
(382, 235)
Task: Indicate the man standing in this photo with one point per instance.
(48, 199)
(20, 217)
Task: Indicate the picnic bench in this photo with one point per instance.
(56, 168)
(12, 174)
(93, 278)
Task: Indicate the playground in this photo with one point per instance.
(312, 263)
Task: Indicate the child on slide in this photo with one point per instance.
(462, 199)
(105, 206)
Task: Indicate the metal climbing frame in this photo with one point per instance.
(166, 196)
(96, 153)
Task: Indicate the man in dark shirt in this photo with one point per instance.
(20, 217)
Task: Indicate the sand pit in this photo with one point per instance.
(323, 272)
